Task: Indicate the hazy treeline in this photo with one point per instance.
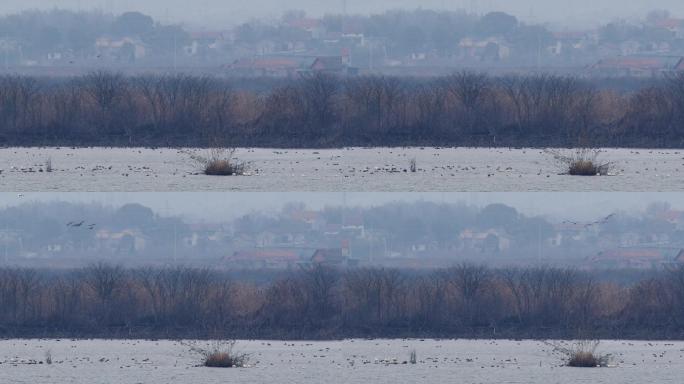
(39, 233)
(410, 31)
(38, 34)
(320, 110)
(317, 302)
(52, 231)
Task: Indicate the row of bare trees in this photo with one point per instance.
(465, 108)
(110, 109)
(465, 300)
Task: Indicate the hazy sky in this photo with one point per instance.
(201, 206)
(214, 13)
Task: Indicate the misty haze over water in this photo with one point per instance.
(213, 13)
(216, 206)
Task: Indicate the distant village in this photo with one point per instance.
(416, 43)
(411, 236)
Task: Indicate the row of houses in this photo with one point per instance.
(300, 237)
(309, 47)
(588, 51)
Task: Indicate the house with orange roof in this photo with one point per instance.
(674, 25)
(673, 217)
(334, 257)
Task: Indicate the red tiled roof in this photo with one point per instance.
(304, 23)
(266, 63)
(354, 220)
(275, 255)
(328, 256)
(637, 62)
(635, 254)
(274, 63)
(669, 23)
(671, 215)
(206, 35)
(631, 63)
(632, 254)
(304, 215)
(576, 35)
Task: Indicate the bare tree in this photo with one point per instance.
(471, 93)
(470, 282)
(109, 94)
(318, 94)
(106, 282)
(320, 283)
(19, 103)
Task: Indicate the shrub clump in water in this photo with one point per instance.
(583, 359)
(583, 168)
(222, 168)
(582, 354)
(219, 354)
(222, 360)
(582, 162)
(219, 162)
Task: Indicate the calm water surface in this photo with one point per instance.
(336, 362)
(348, 169)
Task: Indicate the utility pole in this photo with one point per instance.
(370, 47)
(344, 208)
(175, 242)
(539, 243)
(344, 17)
(539, 51)
(175, 53)
(6, 241)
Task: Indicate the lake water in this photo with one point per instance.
(335, 362)
(348, 169)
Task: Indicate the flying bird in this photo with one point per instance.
(602, 221)
(610, 216)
